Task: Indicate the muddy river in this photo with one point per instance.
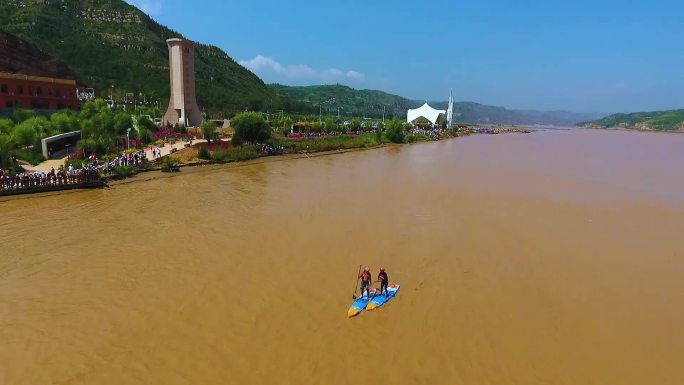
(555, 257)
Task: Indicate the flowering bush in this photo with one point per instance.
(166, 133)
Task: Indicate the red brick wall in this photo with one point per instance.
(21, 93)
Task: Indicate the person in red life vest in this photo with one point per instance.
(384, 281)
(365, 281)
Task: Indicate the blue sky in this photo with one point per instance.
(588, 56)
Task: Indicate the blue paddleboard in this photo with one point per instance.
(360, 304)
(380, 299)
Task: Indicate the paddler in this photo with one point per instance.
(384, 280)
(366, 278)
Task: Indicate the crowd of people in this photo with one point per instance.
(35, 179)
(434, 134)
(91, 170)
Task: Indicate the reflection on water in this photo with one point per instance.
(522, 258)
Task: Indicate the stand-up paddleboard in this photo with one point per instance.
(360, 304)
(381, 299)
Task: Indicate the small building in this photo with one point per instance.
(36, 92)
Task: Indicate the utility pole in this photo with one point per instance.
(320, 109)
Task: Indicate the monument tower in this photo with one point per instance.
(183, 107)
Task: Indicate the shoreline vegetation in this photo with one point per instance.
(112, 152)
(293, 148)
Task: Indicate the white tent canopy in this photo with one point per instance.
(424, 111)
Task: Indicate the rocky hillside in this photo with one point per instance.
(20, 57)
(111, 43)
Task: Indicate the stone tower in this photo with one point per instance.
(183, 107)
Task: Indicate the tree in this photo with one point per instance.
(146, 123)
(64, 122)
(286, 123)
(208, 129)
(395, 131)
(317, 127)
(330, 124)
(251, 127)
(355, 124)
(24, 134)
(5, 126)
(20, 115)
(6, 146)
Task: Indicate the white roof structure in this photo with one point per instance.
(424, 111)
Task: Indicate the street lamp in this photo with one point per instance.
(320, 109)
(128, 139)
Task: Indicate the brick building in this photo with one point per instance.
(35, 92)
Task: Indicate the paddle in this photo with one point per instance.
(358, 275)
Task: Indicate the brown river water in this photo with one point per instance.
(549, 258)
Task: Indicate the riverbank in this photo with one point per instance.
(181, 155)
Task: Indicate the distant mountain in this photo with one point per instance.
(20, 57)
(106, 43)
(111, 43)
(370, 103)
(672, 120)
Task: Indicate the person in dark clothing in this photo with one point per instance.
(365, 281)
(384, 281)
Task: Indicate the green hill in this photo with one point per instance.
(672, 120)
(111, 43)
(370, 103)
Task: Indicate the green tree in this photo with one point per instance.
(6, 126)
(251, 127)
(122, 122)
(318, 127)
(93, 107)
(330, 124)
(24, 134)
(6, 147)
(208, 129)
(146, 123)
(21, 115)
(395, 131)
(64, 122)
(286, 123)
(355, 124)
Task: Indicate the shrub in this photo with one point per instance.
(208, 130)
(123, 172)
(236, 154)
(169, 164)
(395, 131)
(236, 140)
(204, 153)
